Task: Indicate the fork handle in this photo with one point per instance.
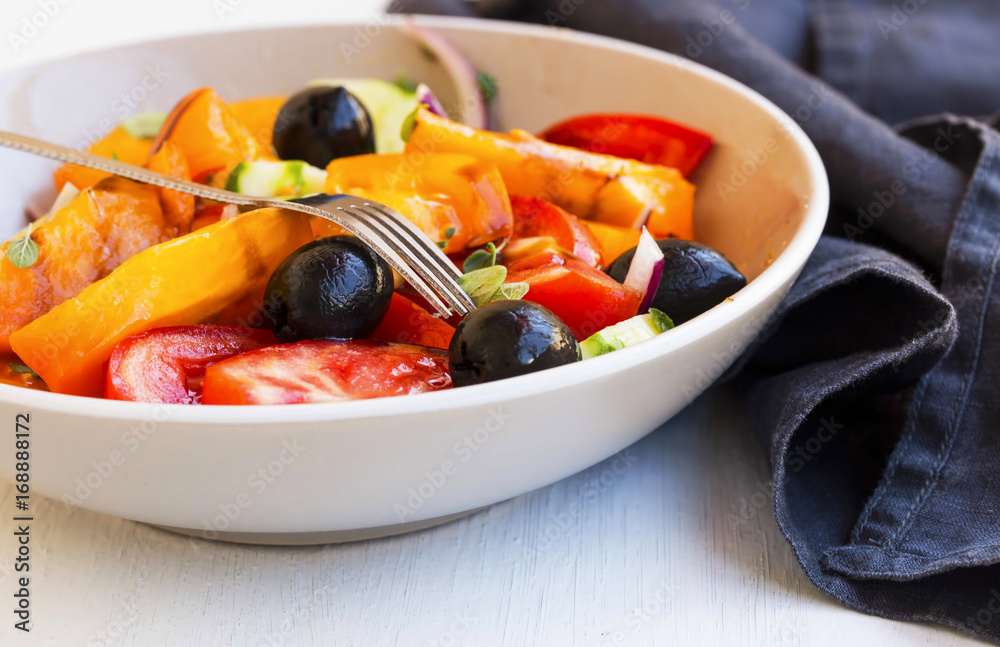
(115, 167)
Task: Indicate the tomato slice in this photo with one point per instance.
(586, 299)
(408, 323)
(648, 139)
(326, 371)
(534, 217)
(167, 365)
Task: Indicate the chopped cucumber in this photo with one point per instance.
(626, 333)
(388, 105)
(145, 125)
(276, 179)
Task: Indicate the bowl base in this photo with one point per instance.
(318, 537)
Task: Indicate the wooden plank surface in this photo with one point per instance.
(634, 551)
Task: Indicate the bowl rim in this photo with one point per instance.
(784, 267)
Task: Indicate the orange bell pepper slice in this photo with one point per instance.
(612, 190)
(258, 117)
(94, 234)
(204, 128)
(118, 143)
(614, 241)
(178, 208)
(454, 199)
(180, 282)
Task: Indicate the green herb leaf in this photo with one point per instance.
(23, 252)
(21, 368)
(409, 124)
(145, 125)
(442, 243)
(513, 291)
(405, 83)
(662, 320)
(481, 258)
(449, 232)
(482, 285)
(487, 86)
(114, 156)
(486, 285)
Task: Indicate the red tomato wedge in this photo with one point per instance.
(534, 217)
(325, 371)
(167, 365)
(586, 299)
(408, 323)
(648, 139)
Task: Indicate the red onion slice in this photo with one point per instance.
(426, 97)
(471, 107)
(646, 270)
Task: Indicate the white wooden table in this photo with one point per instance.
(641, 557)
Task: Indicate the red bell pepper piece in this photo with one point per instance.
(648, 139)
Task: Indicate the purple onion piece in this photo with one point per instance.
(426, 97)
(470, 109)
(646, 270)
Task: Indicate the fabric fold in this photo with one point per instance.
(874, 387)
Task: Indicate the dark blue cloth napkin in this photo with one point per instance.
(875, 388)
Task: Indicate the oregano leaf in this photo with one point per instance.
(481, 258)
(23, 252)
(481, 285)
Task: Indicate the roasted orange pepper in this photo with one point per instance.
(614, 240)
(204, 128)
(455, 199)
(607, 189)
(258, 116)
(183, 281)
(178, 208)
(118, 143)
(82, 243)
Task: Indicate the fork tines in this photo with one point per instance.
(404, 246)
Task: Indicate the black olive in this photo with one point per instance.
(331, 288)
(695, 278)
(508, 338)
(318, 125)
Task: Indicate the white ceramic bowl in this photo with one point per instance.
(322, 472)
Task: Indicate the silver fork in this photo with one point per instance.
(391, 235)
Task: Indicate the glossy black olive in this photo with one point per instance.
(508, 338)
(321, 124)
(696, 278)
(331, 288)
